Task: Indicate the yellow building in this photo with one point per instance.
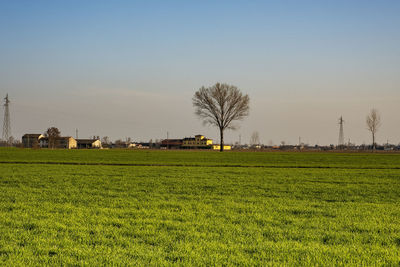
(199, 141)
(67, 142)
(217, 147)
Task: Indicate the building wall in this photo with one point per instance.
(66, 142)
(30, 141)
(96, 144)
(71, 143)
(44, 143)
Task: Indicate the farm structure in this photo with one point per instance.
(31, 140)
(197, 142)
(88, 143)
(66, 142)
(172, 143)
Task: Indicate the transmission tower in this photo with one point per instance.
(6, 122)
(341, 134)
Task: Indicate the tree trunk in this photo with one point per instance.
(221, 146)
(373, 141)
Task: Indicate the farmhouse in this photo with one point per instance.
(172, 143)
(67, 142)
(88, 143)
(31, 140)
(197, 142)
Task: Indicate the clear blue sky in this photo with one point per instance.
(130, 68)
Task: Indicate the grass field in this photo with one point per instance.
(198, 208)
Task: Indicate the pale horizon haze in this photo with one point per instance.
(130, 68)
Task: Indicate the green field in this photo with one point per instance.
(119, 207)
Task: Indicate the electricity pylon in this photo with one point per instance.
(341, 133)
(6, 122)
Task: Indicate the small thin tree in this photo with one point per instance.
(255, 139)
(53, 134)
(105, 141)
(220, 105)
(373, 123)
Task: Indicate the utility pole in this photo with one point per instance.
(341, 133)
(76, 133)
(6, 122)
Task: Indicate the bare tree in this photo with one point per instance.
(119, 143)
(373, 123)
(105, 141)
(220, 105)
(254, 139)
(53, 134)
(128, 141)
